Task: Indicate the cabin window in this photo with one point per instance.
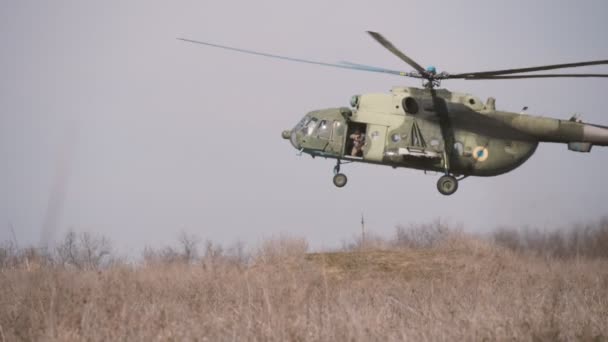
(324, 129)
(337, 131)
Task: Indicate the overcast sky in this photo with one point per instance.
(109, 124)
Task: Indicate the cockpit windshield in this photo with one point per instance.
(307, 125)
(310, 125)
(302, 122)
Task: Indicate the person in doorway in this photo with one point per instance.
(358, 140)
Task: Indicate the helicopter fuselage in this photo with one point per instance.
(402, 129)
(433, 129)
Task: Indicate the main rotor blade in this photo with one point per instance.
(483, 77)
(377, 69)
(384, 42)
(264, 54)
(531, 69)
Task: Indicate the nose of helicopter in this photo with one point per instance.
(290, 134)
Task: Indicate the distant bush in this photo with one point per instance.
(589, 240)
(370, 241)
(7, 254)
(11, 256)
(423, 235)
(281, 248)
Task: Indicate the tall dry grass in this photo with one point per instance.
(459, 287)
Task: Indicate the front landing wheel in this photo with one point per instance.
(340, 180)
(447, 185)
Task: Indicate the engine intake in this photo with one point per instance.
(410, 105)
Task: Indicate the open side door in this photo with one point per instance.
(355, 139)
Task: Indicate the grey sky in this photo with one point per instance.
(142, 136)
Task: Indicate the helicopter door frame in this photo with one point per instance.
(347, 144)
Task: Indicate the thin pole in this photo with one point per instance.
(362, 231)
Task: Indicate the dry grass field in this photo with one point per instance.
(443, 286)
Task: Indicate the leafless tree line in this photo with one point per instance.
(84, 251)
(583, 240)
(588, 240)
(188, 250)
(88, 251)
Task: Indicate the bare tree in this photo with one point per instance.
(95, 249)
(189, 244)
(67, 251)
(84, 250)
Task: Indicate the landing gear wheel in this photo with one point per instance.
(447, 185)
(340, 180)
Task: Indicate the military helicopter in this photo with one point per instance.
(433, 129)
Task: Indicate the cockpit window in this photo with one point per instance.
(324, 129)
(302, 122)
(309, 128)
